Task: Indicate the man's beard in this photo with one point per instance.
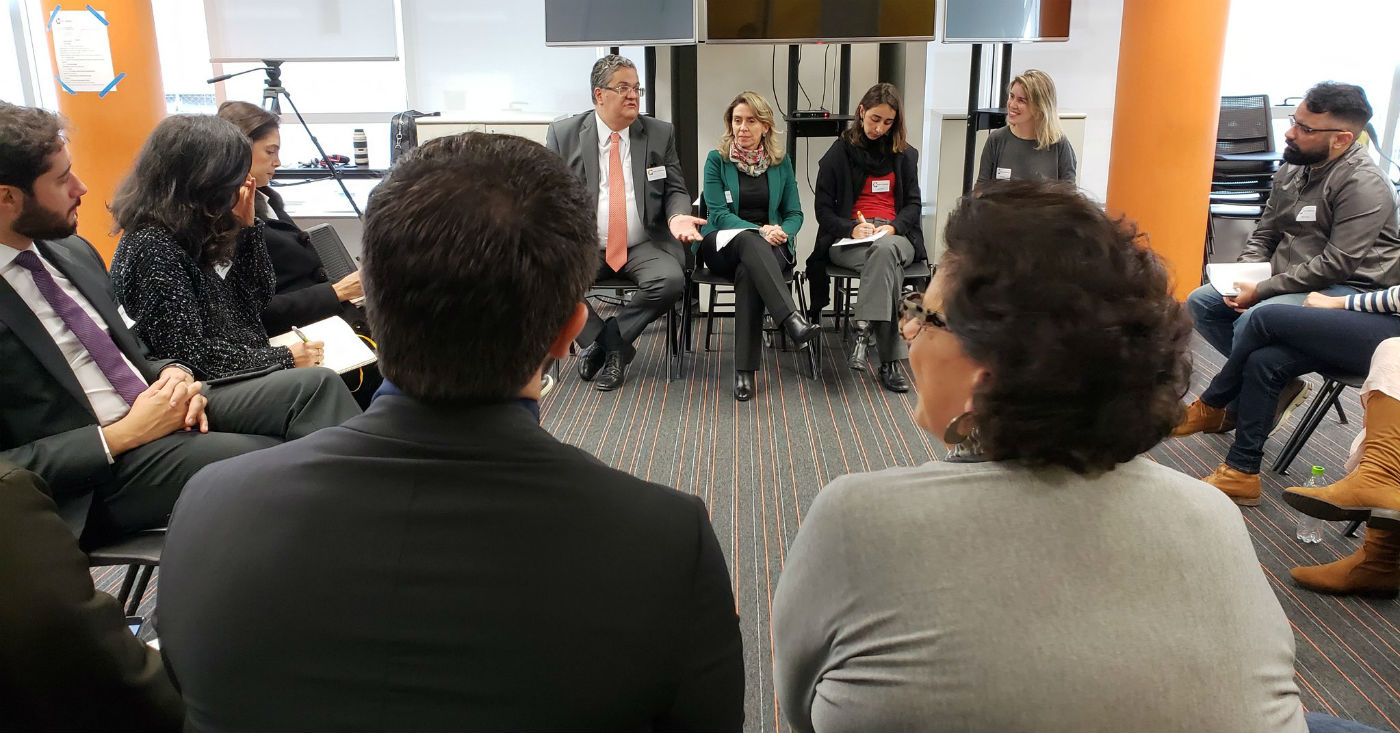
(1296, 156)
(36, 222)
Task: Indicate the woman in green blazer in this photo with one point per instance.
(753, 215)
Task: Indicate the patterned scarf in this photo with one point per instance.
(752, 162)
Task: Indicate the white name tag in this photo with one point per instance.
(728, 197)
(1307, 213)
(656, 173)
(881, 186)
(1003, 174)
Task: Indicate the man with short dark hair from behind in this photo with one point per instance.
(442, 562)
(1329, 227)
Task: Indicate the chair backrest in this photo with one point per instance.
(1245, 125)
(334, 257)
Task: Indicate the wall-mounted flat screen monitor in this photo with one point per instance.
(619, 22)
(812, 21)
(1005, 21)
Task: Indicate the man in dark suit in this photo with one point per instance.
(444, 562)
(84, 406)
(67, 659)
(634, 180)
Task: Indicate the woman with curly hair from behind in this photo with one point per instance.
(1047, 576)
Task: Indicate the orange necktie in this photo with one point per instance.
(616, 255)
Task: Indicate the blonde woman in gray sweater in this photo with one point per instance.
(1047, 576)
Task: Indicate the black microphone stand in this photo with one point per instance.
(272, 90)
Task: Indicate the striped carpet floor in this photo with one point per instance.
(759, 465)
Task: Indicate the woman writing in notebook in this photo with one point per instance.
(191, 268)
(868, 184)
(304, 294)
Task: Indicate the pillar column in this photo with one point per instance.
(108, 122)
(1164, 124)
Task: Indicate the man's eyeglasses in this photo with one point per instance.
(912, 311)
(625, 89)
(1310, 130)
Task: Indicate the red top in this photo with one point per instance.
(876, 199)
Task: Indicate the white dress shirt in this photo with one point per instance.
(107, 405)
(636, 233)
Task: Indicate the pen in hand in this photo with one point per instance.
(300, 335)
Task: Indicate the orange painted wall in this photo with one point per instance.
(105, 132)
(1164, 124)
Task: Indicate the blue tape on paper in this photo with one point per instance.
(97, 15)
(66, 88)
(53, 15)
(108, 88)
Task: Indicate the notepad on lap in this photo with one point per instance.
(344, 349)
(1224, 275)
(860, 240)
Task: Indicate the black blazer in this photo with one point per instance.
(835, 198)
(67, 660)
(46, 422)
(428, 568)
(305, 293)
(653, 145)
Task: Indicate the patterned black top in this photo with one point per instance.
(187, 312)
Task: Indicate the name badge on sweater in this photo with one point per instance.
(728, 197)
(1307, 213)
(656, 173)
(1003, 174)
(880, 186)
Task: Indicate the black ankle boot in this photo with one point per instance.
(798, 330)
(891, 379)
(743, 386)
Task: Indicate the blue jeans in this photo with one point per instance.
(1278, 343)
(1324, 723)
(1220, 325)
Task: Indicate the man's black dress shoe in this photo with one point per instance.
(610, 377)
(743, 386)
(590, 360)
(891, 378)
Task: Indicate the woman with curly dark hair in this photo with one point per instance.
(192, 268)
(1046, 576)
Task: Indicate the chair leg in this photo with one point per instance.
(143, 578)
(1350, 531)
(1316, 411)
(1337, 403)
(673, 345)
(128, 580)
(710, 316)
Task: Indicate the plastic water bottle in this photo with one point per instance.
(1310, 528)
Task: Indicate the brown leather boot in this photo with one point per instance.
(1372, 491)
(1373, 570)
(1241, 487)
(1202, 418)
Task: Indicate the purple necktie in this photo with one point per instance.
(94, 338)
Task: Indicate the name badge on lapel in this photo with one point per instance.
(656, 173)
(880, 186)
(1003, 174)
(728, 197)
(1307, 213)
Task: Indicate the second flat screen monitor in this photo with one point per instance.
(840, 21)
(1005, 21)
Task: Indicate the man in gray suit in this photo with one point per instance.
(84, 405)
(633, 175)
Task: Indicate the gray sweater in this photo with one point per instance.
(1009, 157)
(986, 597)
(1328, 224)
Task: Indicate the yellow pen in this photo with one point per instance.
(300, 335)
(861, 217)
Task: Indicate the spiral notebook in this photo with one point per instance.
(344, 349)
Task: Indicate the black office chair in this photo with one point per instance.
(140, 553)
(702, 275)
(1327, 397)
(674, 368)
